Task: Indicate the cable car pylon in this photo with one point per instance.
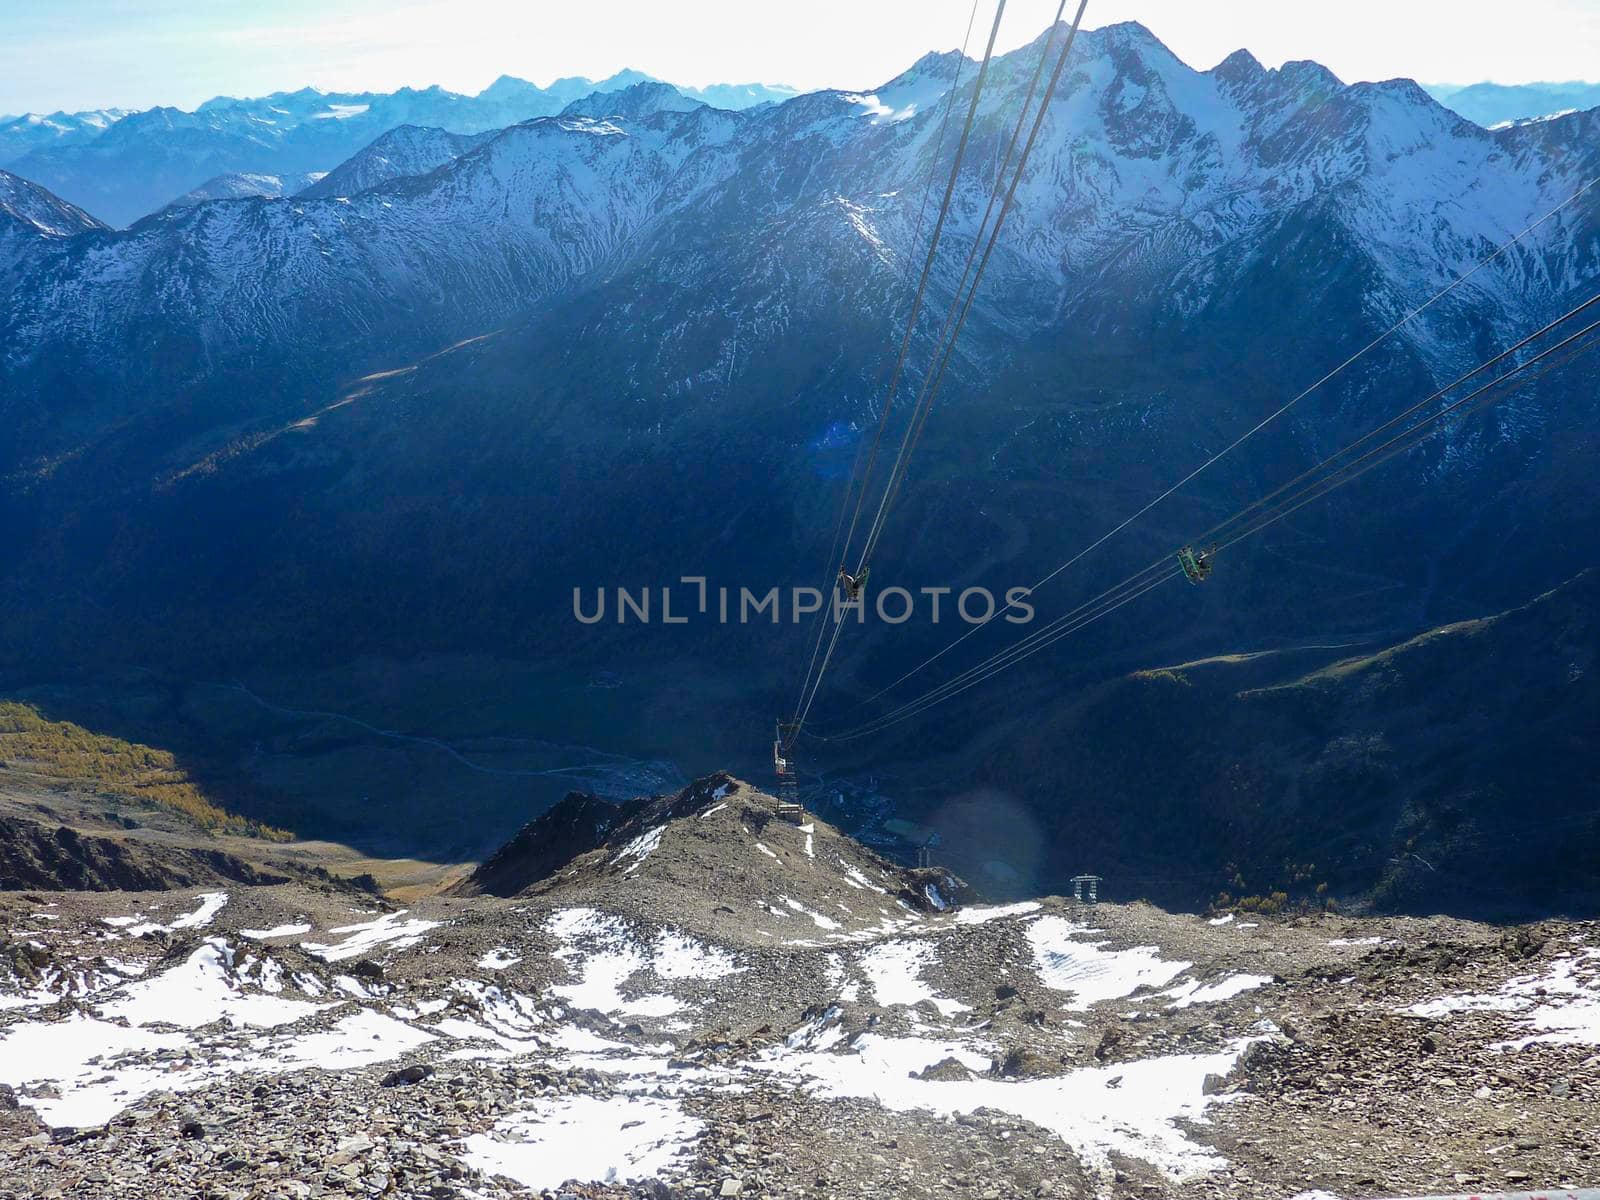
(783, 766)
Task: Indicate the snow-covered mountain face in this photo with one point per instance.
(407, 150)
(1154, 190)
(26, 205)
(30, 218)
(637, 102)
(241, 185)
(145, 158)
(531, 212)
(673, 289)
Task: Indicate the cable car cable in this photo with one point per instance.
(911, 320)
(936, 377)
(954, 322)
(1321, 487)
(916, 238)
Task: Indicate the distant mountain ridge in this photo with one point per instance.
(20, 134)
(241, 184)
(1492, 104)
(123, 165)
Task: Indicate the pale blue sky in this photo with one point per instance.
(134, 53)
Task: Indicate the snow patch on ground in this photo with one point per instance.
(613, 960)
(1192, 991)
(856, 879)
(211, 903)
(585, 1138)
(822, 922)
(277, 931)
(1126, 1109)
(498, 959)
(678, 956)
(155, 1036)
(200, 990)
(984, 914)
(895, 971)
(639, 849)
(604, 954)
(1561, 1007)
(1088, 970)
(359, 1040)
(84, 1062)
(367, 936)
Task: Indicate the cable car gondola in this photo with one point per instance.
(1196, 564)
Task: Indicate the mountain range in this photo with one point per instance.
(124, 165)
(31, 131)
(229, 146)
(407, 411)
(1491, 104)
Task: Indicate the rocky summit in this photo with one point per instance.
(695, 996)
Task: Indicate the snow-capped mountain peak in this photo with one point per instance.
(406, 150)
(636, 101)
(28, 206)
(914, 91)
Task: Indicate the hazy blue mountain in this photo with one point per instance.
(30, 219)
(741, 95)
(31, 131)
(1491, 104)
(636, 102)
(28, 205)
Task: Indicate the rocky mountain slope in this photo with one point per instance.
(36, 855)
(1411, 773)
(780, 1023)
